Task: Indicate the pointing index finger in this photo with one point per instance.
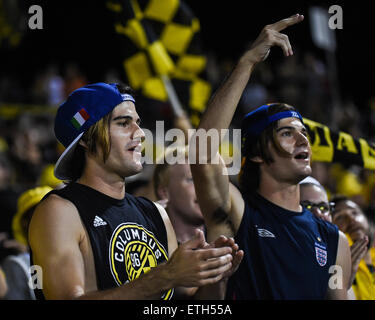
(282, 24)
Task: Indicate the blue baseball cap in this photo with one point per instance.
(256, 121)
(83, 108)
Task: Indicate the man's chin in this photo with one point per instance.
(306, 172)
(138, 168)
(303, 175)
(133, 170)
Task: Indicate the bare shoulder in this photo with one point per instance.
(55, 235)
(52, 215)
(54, 210)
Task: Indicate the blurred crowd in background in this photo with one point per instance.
(28, 148)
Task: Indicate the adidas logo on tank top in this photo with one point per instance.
(99, 222)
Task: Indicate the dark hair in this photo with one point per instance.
(249, 177)
(98, 133)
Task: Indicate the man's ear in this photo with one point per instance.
(257, 159)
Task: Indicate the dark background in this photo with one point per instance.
(82, 31)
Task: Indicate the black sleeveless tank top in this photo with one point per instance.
(128, 236)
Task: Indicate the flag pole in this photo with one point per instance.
(172, 96)
(181, 120)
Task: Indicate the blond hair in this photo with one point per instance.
(161, 176)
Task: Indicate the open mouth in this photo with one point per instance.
(136, 148)
(302, 156)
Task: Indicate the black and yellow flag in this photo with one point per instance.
(164, 40)
(340, 147)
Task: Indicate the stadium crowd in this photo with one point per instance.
(29, 150)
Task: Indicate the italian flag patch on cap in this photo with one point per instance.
(79, 118)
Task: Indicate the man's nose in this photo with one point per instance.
(138, 133)
(301, 138)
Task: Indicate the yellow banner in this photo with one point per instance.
(341, 147)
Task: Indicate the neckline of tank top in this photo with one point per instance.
(257, 196)
(114, 201)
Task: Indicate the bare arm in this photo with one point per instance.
(343, 265)
(214, 192)
(55, 235)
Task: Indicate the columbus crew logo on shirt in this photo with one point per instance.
(133, 251)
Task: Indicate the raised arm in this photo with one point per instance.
(222, 106)
(215, 195)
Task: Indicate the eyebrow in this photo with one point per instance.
(126, 118)
(286, 127)
(291, 128)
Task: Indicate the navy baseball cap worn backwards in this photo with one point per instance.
(83, 108)
(256, 121)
